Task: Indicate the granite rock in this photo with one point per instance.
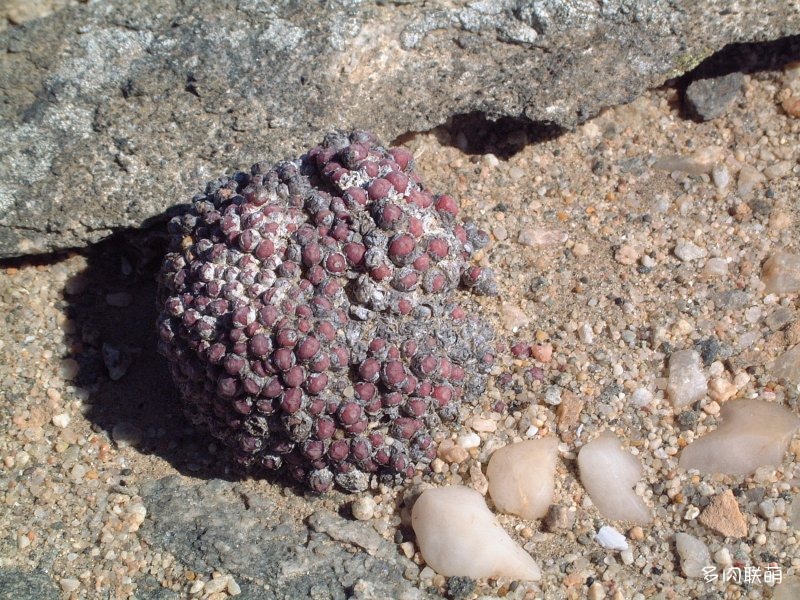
(222, 526)
(113, 111)
(710, 98)
(16, 584)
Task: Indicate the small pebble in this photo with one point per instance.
(777, 524)
(468, 440)
(216, 585)
(69, 584)
(641, 397)
(611, 539)
(61, 420)
(786, 366)
(711, 98)
(749, 178)
(609, 473)
(513, 317)
(596, 591)
(626, 255)
(552, 395)
(781, 273)
(687, 382)
(715, 267)
(542, 352)
(363, 508)
(521, 477)
(720, 389)
(687, 250)
(721, 176)
(408, 549)
(197, 587)
(541, 237)
(753, 433)
(559, 518)
(693, 554)
(477, 479)
(581, 249)
(454, 454)
(779, 169)
(484, 425)
(723, 557)
(233, 588)
(117, 360)
(490, 160)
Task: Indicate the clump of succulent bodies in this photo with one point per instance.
(309, 318)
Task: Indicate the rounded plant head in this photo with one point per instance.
(309, 314)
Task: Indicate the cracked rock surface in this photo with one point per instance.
(221, 526)
(109, 108)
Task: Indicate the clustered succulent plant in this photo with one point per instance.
(309, 319)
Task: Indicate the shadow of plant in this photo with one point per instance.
(130, 392)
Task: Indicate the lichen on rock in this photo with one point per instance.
(309, 319)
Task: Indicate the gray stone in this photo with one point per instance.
(114, 111)
(710, 98)
(16, 584)
(270, 552)
(148, 588)
(559, 518)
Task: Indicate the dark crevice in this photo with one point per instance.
(749, 57)
(475, 134)
(745, 58)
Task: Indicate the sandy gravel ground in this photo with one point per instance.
(586, 232)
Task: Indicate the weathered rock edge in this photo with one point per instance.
(270, 551)
(113, 111)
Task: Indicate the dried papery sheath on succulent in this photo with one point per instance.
(309, 318)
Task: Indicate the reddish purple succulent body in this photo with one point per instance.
(309, 318)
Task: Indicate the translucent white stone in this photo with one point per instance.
(611, 539)
(521, 477)
(753, 433)
(781, 273)
(609, 473)
(686, 382)
(459, 536)
(694, 554)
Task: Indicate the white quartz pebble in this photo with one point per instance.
(694, 554)
(61, 420)
(611, 539)
(458, 536)
(521, 477)
(609, 473)
(686, 382)
(753, 433)
(687, 250)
